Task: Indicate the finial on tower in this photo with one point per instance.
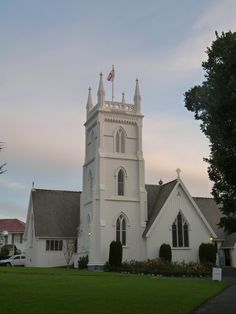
(89, 101)
(101, 92)
(137, 97)
(123, 98)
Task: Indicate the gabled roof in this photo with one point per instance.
(207, 208)
(156, 197)
(12, 225)
(211, 212)
(56, 213)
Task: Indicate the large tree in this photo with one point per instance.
(214, 104)
(2, 165)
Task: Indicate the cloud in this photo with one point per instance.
(9, 209)
(11, 184)
(170, 143)
(220, 17)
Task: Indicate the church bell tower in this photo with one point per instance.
(114, 201)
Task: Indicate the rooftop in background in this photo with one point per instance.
(12, 225)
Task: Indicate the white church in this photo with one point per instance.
(116, 204)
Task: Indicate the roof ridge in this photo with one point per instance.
(207, 197)
(51, 190)
(161, 184)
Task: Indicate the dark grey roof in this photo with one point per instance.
(211, 212)
(230, 241)
(156, 198)
(56, 213)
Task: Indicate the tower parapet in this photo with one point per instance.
(114, 106)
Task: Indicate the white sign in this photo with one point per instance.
(216, 273)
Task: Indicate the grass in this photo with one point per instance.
(46, 291)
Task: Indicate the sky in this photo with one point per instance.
(51, 51)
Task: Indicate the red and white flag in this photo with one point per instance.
(111, 75)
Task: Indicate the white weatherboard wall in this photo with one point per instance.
(37, 256)
(233, 256)
(161, 232)
(48, 258)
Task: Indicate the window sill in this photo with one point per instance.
(181, 248)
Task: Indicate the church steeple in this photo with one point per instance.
(101, 92)
(137, 98)
(89, 105)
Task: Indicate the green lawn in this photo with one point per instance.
(42, 291)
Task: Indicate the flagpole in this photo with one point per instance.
(113, 73)
(112, 90)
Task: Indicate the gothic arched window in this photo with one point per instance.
(121, 182)
(90, 185)
(121, 229)
(180, 236)
(120, 141)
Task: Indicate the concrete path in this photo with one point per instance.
(224, 303)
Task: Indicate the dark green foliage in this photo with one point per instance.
(162, 267)
(207, 253)
(165, 252)
(7, 249)
(214, 104)
(115, 254)
(4, 252)
(83, 262)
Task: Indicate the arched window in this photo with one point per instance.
(92, 143)
(121, 229)
(180, 236)
(90, 185)
(121, 182)
(120, 141)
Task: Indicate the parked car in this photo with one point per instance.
(15, 260)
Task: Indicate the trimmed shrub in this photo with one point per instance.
(165, 252)
(115, 254)
(207, 253)
(4, 252)
(83, 262)
(159, 267)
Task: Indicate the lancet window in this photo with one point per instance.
(121, 229)
(121, 182)
(120, 141)
(180, 232)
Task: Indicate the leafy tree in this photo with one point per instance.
(214, 104)
(8, 250)
(3, 165)
(4, 252)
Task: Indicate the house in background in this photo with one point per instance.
(11, 232)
